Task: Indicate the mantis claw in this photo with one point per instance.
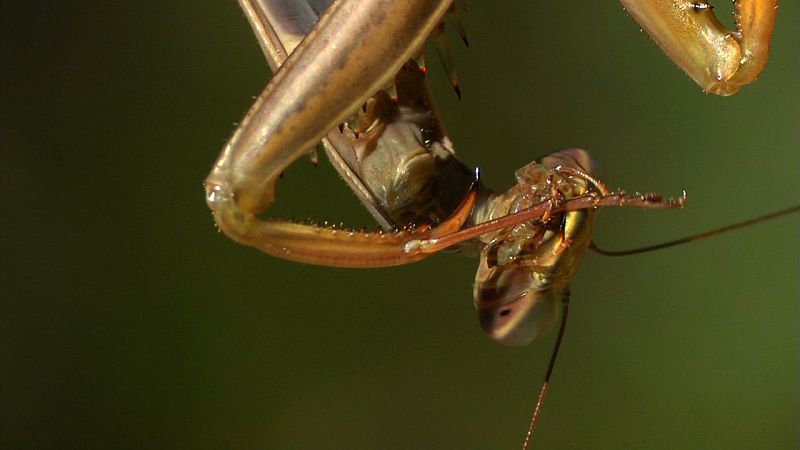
(330, 246)
(718, 59)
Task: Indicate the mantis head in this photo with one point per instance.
(525, 270)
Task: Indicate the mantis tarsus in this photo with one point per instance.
(218, 189)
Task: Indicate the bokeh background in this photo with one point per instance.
(127, 321)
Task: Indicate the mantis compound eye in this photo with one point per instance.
(513, 308)
(577, 158)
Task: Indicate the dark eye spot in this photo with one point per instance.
(505, 312)
(429, 136)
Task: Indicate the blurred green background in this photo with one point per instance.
(127, 321)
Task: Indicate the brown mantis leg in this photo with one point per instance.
(588, 201)
(330, 246)
(716, 58)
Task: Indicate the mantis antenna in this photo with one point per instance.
(565, 295)
(698, 236)
(553, 355)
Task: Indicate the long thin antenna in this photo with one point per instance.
(695, 237)
(540, 400)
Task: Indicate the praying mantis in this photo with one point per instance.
(212, 192)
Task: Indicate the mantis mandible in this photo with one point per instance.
(527, 259)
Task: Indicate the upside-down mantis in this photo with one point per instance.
(216, 183)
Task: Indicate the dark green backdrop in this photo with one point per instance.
(127, 321)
